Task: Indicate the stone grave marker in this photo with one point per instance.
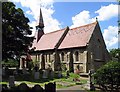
(36, 75)
(24, 71)
(50, 87)
(23, 87)
(3, 71)
(59, 74)
(37, 88)
(52, 74)
(45, 74)
(11, 81)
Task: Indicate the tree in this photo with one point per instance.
(108, 77)
(15, 29)
(115, 53)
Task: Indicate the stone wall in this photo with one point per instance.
(55, 61)
(97, 52)
(70, 59)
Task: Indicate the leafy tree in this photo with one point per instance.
(108, 77)
(115, 52)
(15, 29)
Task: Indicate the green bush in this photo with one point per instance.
(108, 77)
(10, 63)
(73, 75)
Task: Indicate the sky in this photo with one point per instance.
(59, 14)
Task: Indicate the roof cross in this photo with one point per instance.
(96, 19)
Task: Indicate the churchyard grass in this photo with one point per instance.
(60, 82)
(3, 82)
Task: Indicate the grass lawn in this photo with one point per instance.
(60, 82)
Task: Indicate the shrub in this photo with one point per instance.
(73, 75)
(108, 76)
(10, 63)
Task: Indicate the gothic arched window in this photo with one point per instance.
(62, 56)
(76, 56)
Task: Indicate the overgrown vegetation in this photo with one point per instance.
(108, 77)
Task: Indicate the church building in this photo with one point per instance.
(82, 47)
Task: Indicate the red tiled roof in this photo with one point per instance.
(49, 40)
(78, 37)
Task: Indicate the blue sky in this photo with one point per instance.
(58, 15)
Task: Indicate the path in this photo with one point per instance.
(76, 88)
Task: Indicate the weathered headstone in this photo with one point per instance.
(3, 71)
(11, 81)
(36, 75)
(67, 73)
(52, 74)
(37, 88)
(23, 87)
(91, 78)
(33, 71)
(45, 74)
(59, 74)
(24, 71)
(50, 87)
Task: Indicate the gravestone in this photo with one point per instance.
(36, 75)
(59, 74)
(33, 71)
(25, 74)
(23, 87)
(37, 88)
(90, 85)
(50, 87)
(45, 74)
(11, 81)
(52, 74)
(67, 73)
(91, 78)
(24, 71)
(3, 71)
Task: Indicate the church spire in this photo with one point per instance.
(41, 23)
(40, 27)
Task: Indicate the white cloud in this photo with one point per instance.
(111, 36)
(107, 12)
(81, 19)
(104, 13)
(51, 24)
